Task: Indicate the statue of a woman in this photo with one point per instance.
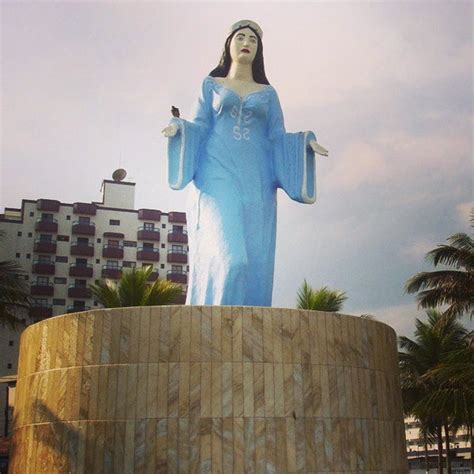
(236, 152)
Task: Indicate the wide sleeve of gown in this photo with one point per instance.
(184, 147)
(293, 158)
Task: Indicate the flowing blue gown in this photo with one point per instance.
(237, 154)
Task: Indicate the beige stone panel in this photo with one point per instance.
(259, 432)
(154, 351)
(111, 392)
(338, 344)
(98, 447)
(248, 389)
(162, 394)
(129, 449)
(277, 330)
(184, 390)
(165, 335)
(238, 452)
(305, 335)
(298, 390)
(237, 334)
(147, 447)
(95, 340)
(81, 447)
(152, 391)
(247, 339)
(318, 433)
(206, 389)
(227, 445)
(216, 389)
(46, 337)
(258, 389)
(206, 445)
(216, 330)
(290, 438)
(172, 453)
(257, 334)
(249, 445)
(173, 389)
(142, 384)
(308, 390)
(237, 390)
(310, 445)
(206, 334)
(61, 391)
(288, 390)
(124, 350)
(296, 338)
(345, 445)
(118, 446)
(185, 331)
(132, 391)
(364, 343)
(286, 336)
(270, 445)
(280, 431)
(328, 444)
(195, 346)
(109, 438)
(227, 389)
(216, 445)
(226, 326)
(175, 336)
(195, 389)
(269, 390)
(321, 341)
(70, 339)
(279, 390)
(183, 445)
(330, 340)
(346, 341)
(354, 381)
(364, 385)
(375, 408)
(300, 445)
(161, 445)
(115, 336)
(267, 322)
(194, 444)
(317, 400)
(102, 401)
(337, 439)
(341, 391)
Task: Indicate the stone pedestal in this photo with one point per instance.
(208, 389)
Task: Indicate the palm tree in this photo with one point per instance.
(323, 299)
(435, 340)
(134, 289)
(14, 292)
(453, 287)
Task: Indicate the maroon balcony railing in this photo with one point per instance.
(176, 256)
(74, 291)
(44, 268)
(46, 225)
(83, 228)
(84, 208)
(177, 276)
(149, 214)
(150, 255)
(77, 309)
(84, 250)
(41, 311)
(148, 234)
(111, 251)
(113, 273)
(177, 217)
(42, 289)
(81, 270)
(44, 246)
(180, 237)
(48, 205)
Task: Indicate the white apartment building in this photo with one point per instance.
(65, 247)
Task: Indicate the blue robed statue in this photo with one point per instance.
(236, 153)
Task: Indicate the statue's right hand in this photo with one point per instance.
(170, 130)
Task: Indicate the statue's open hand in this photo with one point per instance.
(317, 148)
(170, 130)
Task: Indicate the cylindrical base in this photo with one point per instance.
(208, 389)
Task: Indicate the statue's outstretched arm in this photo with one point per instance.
(317, 148)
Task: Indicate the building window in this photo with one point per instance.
(178, 229)
(81, 262)
(10, 343)
(163, 246)
(28, 255)
(44, 258)
(79, 304)
(60, 280)
(30, 234)
(163, 226)
(80, 283)
(84, 220)
(17, 255)
(61, 259)
(147, 246)
(32, 214)
(177, 268)
(129, 264)
(114, 222)
(68, 218)
(27, 277)
(112, 264)
(97, 260)
(99, 241)
(83, 240)
(41, 302)
(177, 248)
(95, 303)
(59, 302)
(113, 243)
(129, 243)
(149, 226)
(162, 265)
(9, 365)
(46, 238)
(18, 233)
(46, 217)
(42, 281)
(63, 238)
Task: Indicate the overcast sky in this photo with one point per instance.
(387, 88)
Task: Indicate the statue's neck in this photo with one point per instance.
(240, 72)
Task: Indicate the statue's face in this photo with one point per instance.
(243, 46)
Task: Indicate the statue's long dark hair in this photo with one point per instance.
(258, 67)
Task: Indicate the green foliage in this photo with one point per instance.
(134, 289)
(323, 299)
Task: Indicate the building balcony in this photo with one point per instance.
(44, 268)
(177, 217)
(42, 289)
(84, 250)
(46, 225)
(180, 237)
(113, 273)
(149, 214)
(41, 311)
(83, 228)
(177, 256)
(150, 255)
(112, 251)
(74, 291)
(148, 234)
(84, 208)
(44, 246)
(48, 205)
(85, 271)
(77, 309)
(177, 276)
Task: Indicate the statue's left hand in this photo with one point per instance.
(317, 148)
